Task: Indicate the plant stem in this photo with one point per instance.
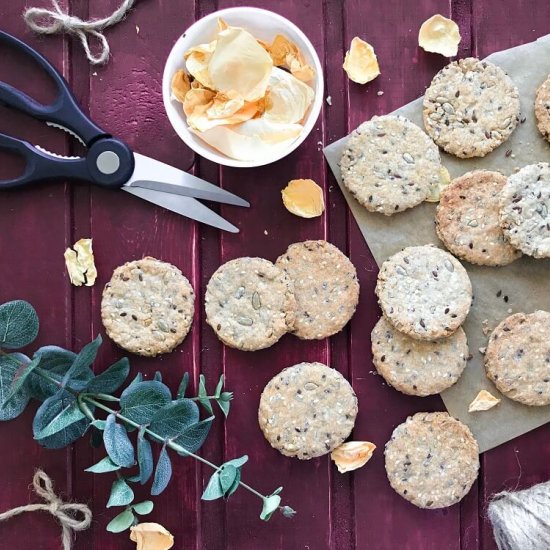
(170, 444)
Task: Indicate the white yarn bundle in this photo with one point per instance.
(521, 519)
(44, 21)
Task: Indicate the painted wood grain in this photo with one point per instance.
(336, 512)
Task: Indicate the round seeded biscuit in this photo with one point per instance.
(467, 219)
(517, 358)
(389, 164)
(325, 285)
(424, 292)
(525, 210)
(417, 367)
(471, 107)
(542, 108)
(307, 410)
(432, 460)
(147, 307)
(250, 303)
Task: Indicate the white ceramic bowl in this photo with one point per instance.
(262, 24)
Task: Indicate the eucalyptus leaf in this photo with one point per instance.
(228, 473)
(121, 522)
(121, 494)
(142, 400)
(96, 438)
(203, 395)
(226, 396)
(235, 485)
(50, 409)
(136, 380)
(18, 382)
(145, 457)
(288, 512)
(57, 362)
(18, 403)
(163, 472)
(111, 379)
(270, 505)
(213, 490)
(103, 466)
(158, 376)
(238, 462)
(143, 508)
(183, 386)
(99, 424)
(194, 436)
(18, 324)
(83, 360)
(68, 415)
(117, 443)
(224, 406)
(174, 418)
(219, 387)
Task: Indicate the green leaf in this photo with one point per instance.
(145, 457)
(226, 396)
(110, 380)
(121, 494)
(103, 466)
(158, 376)
(174, 418)
(117, 443)
(99, 424)
(202, 394)
(83, 360)
(163, 473)
(136, 380)
(183, 386)
(228, 473)
(20, 377)
(57, 362)
(270, 505)
(235, 485)
(194, 436)
(277, 491)
(224, 406)
(18, 324)
(213, 490)
(96, 438)
(219, 387)
(18, 403)
(142, 400)
(69, 414)
(238, 462)
(49, 410)
(121, 522)
(288, 512)
(143, 508)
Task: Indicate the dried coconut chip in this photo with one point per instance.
(239, 66)
(303, 198)
(360, 62)
(180, 85)
(285, 53)
(439, 35)
(151, 536)
(444, 180)
(197, 61)
(352, 455)
(79, 261)
(483, 402)
(287, 99)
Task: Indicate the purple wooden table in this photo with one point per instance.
(335, 511)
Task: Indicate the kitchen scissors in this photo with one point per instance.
(109, 162)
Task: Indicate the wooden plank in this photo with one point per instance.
(523, 461)
(406, 70)
(266, 231)
(34, 234)
(125, 98)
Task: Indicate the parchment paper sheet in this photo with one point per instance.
(525, 282)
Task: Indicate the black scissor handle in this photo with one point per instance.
(64, 111)
(109, 163)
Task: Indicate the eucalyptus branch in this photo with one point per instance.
(71, 394)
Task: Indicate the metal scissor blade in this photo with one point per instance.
(153, 174)
(186, 206)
